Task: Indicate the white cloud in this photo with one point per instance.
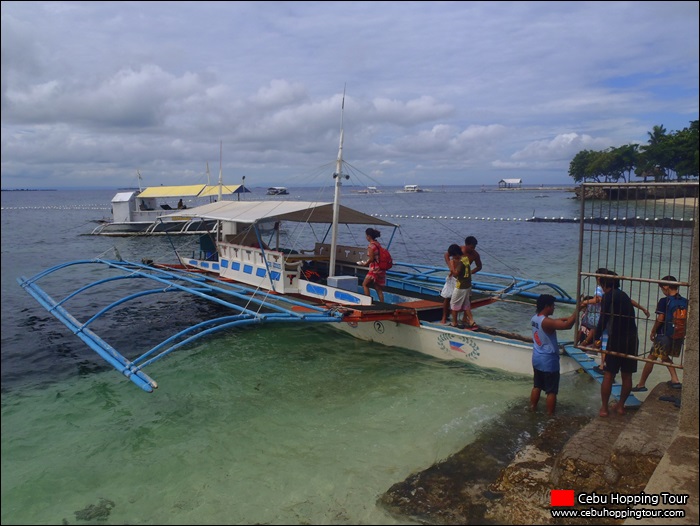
(91, 91)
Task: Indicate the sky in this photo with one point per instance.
(436, 93)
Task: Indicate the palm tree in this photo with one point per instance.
(656, 135)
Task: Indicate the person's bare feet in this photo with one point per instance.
(618, 408)
(603, 412)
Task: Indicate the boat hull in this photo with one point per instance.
(479, 349)
(173, 227)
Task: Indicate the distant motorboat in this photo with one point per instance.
(277, 190)
(369, 190)
(411, 188)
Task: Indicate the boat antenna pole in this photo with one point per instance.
(138, 176)
(221, 149)
(336, 198)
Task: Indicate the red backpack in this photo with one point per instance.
(384, 260)
(677, 314)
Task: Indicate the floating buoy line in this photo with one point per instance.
(664, 222)
(58, 207)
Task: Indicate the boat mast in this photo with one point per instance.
(221, 179)
(336, 198)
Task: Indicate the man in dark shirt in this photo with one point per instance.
(618, 317)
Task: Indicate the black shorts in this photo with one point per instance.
(548, 382)
(615, 364)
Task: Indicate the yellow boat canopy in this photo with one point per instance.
(194, 190)
(213, 190)
(173, 191)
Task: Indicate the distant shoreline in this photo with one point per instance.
(29, 190)
(533, 189)
(680, 201)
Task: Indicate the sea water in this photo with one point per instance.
(288, 424)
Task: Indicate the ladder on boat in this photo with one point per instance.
(587, 363)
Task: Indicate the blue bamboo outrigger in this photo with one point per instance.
(282, 309)
(428, 279)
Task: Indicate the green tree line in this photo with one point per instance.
(666, 157)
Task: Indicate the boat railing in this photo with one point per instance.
(343, 253)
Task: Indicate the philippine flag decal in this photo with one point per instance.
(456, 346)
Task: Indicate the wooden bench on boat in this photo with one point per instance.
(343, 253)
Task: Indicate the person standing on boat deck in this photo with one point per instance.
(665, 346)
(376, 276)
(618, 316)
(545, 351)
(460, 296)
(469, 250)
(180, 205)
(452, 257)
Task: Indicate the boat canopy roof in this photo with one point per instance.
(213, 190)
(194, 190)
(250, 212)
(122, 197)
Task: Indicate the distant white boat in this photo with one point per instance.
(369, 190)
(277, 190)
(410, 189)
(143, 212)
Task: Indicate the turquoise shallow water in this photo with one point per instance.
(286, 425)
(294, 425)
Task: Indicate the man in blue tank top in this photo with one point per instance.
(545, 351)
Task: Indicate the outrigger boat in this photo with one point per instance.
(258, 285)
(237, 269)
(148, 211)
